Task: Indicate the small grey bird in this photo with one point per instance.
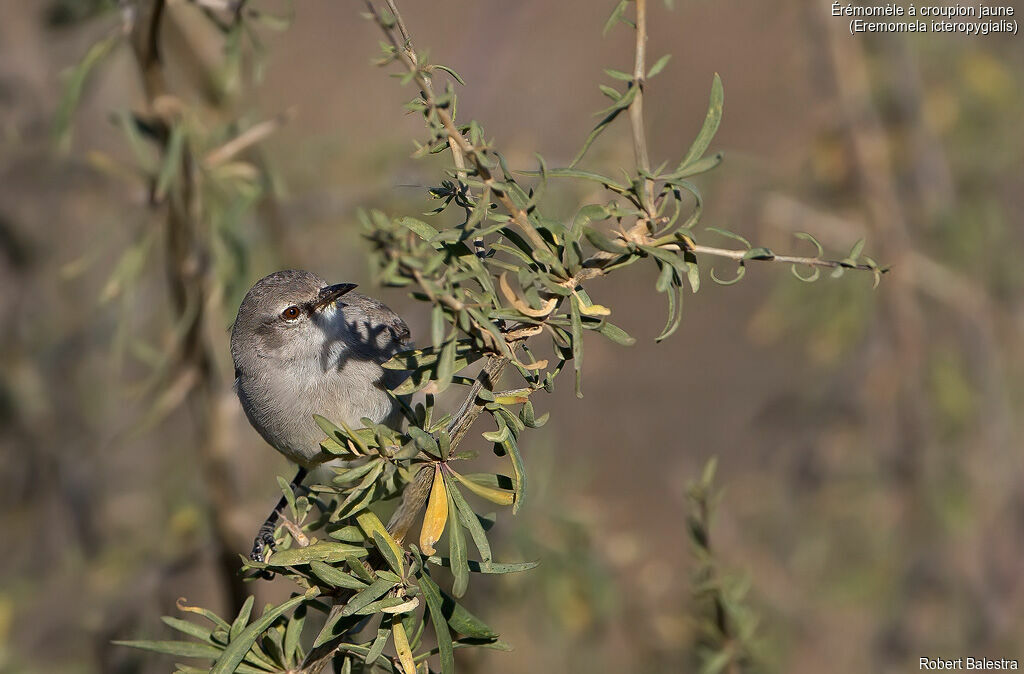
(303, 347)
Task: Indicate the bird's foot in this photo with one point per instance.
(265, 537)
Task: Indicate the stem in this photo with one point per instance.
(457, 155)
(808, 261)
(194, 301)
(636, 108)
(405, 53)
(415, 494)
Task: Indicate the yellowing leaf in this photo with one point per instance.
(404, 607)
(402, 647)
(499, 496)
(436, 516)
(594, 310)
(521, 306)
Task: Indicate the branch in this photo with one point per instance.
(193, 300)
(453, 144)
(243, 141)
(475, 156)
(145, 39)
(415, 494)
(931, 277)
(636, 108)
(741, 256)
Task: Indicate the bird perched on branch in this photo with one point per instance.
(302, 347)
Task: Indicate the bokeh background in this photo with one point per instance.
(868, 440)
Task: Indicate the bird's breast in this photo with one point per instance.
(281, 408)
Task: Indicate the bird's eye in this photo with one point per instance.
(291, 313)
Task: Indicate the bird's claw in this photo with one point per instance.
(263, 538)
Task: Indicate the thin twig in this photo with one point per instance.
(636, 108)
(457, 155)
(741, 255)
(519, 216)
(251, 136)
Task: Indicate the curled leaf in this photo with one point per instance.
(494, 495)
(739, 274)
(521, 306)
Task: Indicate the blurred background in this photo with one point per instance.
(868, 440)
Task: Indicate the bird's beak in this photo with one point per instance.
(329, 294)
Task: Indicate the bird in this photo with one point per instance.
(300, 347)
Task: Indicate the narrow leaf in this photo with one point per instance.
(236, 650)
(710, 127)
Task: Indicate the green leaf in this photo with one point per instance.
(519, 472)
(491, 568)
(445, 366)
(378, 644)
(857, 249)
(616, 334)
(236, 650)
(731, 235)
(700, 166)
(455, 75)
(75, 85)
(187, 649)
(710, 127)
(375, 591)
(804, 236)
(457, 551)
(293, 633)
(347, 534)
(589, 213)
(437, 327)
(693, 276)
(739, 275)
(326, 551)
(497, 436)
(206, 613)
(582, 175)
(615, 17)
(332, 432)
(242, 619)
(334, 576)
(612, 112)
(418, 227)
(759, 254)
(359, 569)
(432, 594)
(171, 168)
(189, 628)
(610, 92)
(658, 66)
(810, 278)
(464, 622)
(289, 495)
(601, 242)
(618, 75)
(388, 546)
(493, 480)
(468, 518)
(675, 313)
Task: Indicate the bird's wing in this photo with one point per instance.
(379, 313)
